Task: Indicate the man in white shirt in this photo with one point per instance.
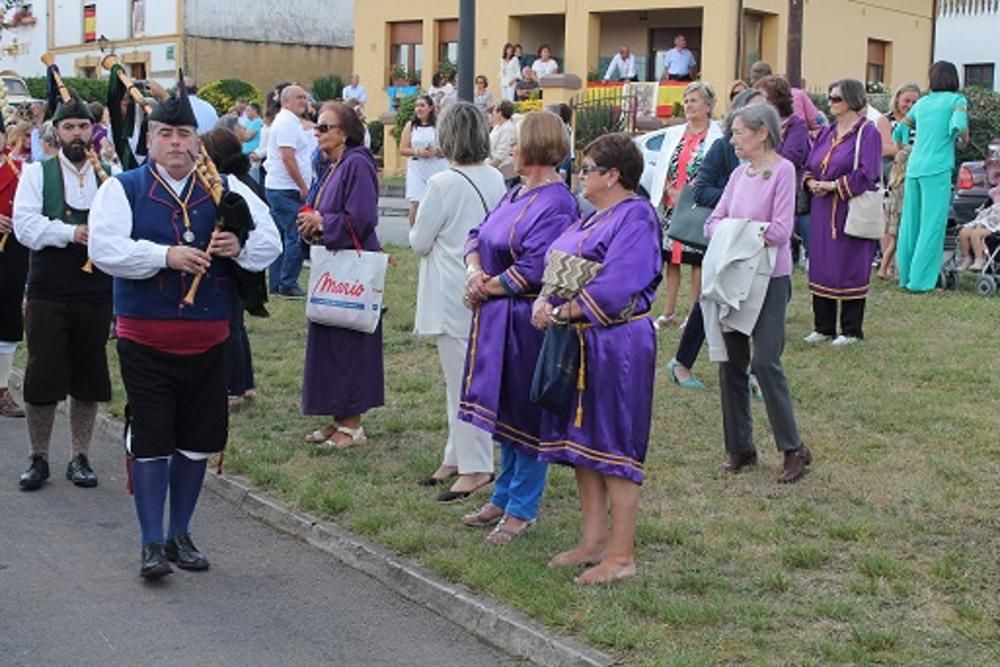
(287, 186)
(624, 62)
(355, 91)
(205, 113)
(679, 63)
(68, 312)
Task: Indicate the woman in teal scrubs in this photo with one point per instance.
(940, 119)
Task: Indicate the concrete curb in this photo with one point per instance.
(506, 629)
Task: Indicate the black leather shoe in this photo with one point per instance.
(34, 477)
(80, 473)
(154, 562)
(181, 550)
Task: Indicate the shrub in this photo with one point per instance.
(595, 119)
(404, 112)
(984, 122)
(222, 94)
(448, 69)
(89, 90)
(377, 133)
(328, 88)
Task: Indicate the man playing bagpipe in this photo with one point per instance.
(68, 312)
(158, 229)
(13, 274)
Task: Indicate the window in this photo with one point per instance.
(138, 22)
(875, 72)
(752, 46)
(88, 72)
(447, 41)
(980, 74)
(137, 71)
(406, 49)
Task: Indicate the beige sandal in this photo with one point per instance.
(321, 435)
(357, 437)
(503, 534)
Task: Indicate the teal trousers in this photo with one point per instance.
(921, 230)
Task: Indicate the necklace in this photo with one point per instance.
(547, 181)
(188, 235)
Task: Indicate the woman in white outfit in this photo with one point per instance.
(456, 200)
(419, 142)
(510, 71)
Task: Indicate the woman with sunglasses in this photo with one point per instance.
(604, 440)
(840, 265)
(343, 369)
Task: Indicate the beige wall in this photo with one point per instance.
(263, 64)
(834, 40)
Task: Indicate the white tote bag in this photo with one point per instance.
(865, 215)
(346, 288)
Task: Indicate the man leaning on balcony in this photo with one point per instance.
(624, 62)
(679, 63)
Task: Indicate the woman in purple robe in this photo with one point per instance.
(840, 265)
(606, 434)
(343, 370)
(504, 259)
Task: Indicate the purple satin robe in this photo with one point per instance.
(344, 373)
(608, 430)
(840, 265)
(503, 346)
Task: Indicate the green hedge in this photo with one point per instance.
(984, 122)
(90, 90)
(404, 112)
(328, 88)
(377, 133)
(224, 93)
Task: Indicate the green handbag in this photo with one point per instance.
(687, 220)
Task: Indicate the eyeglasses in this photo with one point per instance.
(323, 128)
(591, 168)
(833, 99)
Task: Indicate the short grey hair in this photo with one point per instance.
(704, 89)
(47, 134)
(743, 98)
(757, 116)
(462, 134)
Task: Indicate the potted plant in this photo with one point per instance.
(398, 76)
(414, 76)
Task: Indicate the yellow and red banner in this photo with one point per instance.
(666, 94)
(90, 23)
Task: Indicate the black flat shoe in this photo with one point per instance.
(434, 481)
(154, 562)
(34, 477)
(80, 473)
(450, 496)
(181, 550)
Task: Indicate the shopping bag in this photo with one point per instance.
(346, 288)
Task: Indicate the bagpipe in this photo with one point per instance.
(55, 78)
(123, 124)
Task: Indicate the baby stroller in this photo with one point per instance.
(988, 280)
(971, 197)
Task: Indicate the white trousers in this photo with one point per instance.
(468, 447)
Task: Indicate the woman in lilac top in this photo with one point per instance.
(763, 189)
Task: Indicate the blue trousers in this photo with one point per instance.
(518, 489)
(284, 272)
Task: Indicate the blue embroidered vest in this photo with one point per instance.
(157, 217)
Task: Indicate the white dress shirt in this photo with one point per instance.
(287, 132)
(113, 250)
(450, 208)
(355, 92)
(625, 66)
(32, 229)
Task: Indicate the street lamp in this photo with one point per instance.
(103, 43)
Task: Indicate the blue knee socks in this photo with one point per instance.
(149, 484)
(186, 477)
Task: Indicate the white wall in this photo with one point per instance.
(969, 39)
(33, 43)
(313, 22)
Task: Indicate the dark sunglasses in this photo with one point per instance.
(834, 98)
(591, 168)
(323, 128)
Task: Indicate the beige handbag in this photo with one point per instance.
(865, 215)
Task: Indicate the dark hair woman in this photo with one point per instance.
(226, 151)
(510, 71)
(605, 443)
(343, 368)
(941, 121)
(419, 142)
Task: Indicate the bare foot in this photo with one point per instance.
(444, 472)
(965, 265)
(578, 556)
(605, 573)
(485, 516)
(470, 482)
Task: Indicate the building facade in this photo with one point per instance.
(966, 34)
(887, 42)
(255, 40)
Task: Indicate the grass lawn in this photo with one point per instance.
(887, 553)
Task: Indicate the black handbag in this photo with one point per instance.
(556, 369)
(687, 220)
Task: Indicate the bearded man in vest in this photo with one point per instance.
(68, 312)
(154, 229)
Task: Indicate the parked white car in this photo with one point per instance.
(650, 145)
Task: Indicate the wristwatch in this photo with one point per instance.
(555, 315)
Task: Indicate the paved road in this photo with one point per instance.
(70, 593)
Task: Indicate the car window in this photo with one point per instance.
(15, 87)
(655, 143)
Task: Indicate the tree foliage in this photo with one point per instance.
(404, 112)
(224, 93)
(89, 90)
(328, 88)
